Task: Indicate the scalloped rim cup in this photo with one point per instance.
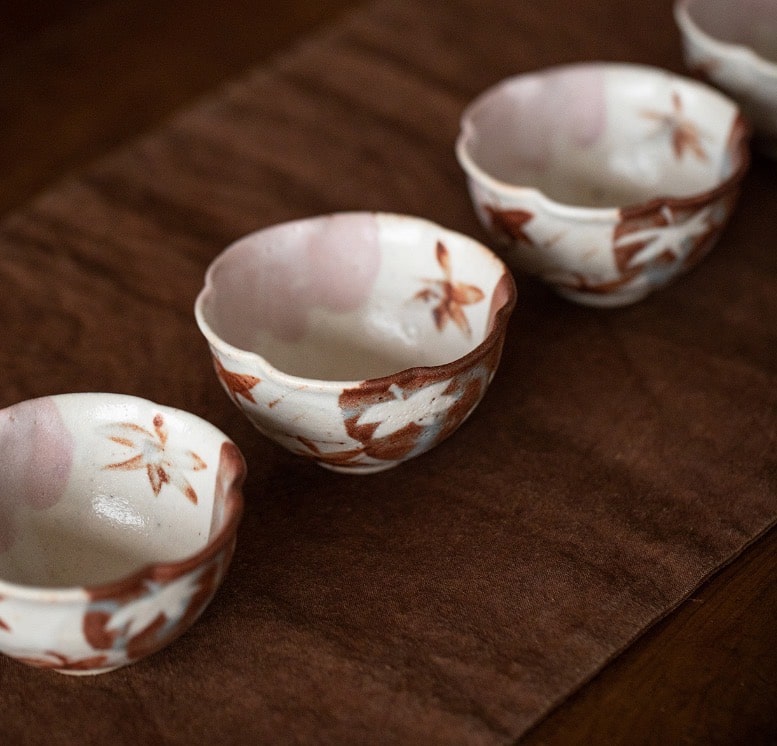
(731, 61)
(569, 190)
(357, 340)
(120, 519)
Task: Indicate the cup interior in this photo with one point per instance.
(92, 489)
(351, 296)
(600, 135)
(750, 23)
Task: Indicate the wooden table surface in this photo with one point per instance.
(79, 78)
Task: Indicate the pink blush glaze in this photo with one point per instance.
(572, 102)
(589, 107)
(273, 280)
(534, 110)
(37, 453)
(344, 258)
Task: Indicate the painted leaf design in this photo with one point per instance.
(392, 421)
(391, 415)
(666, 237)
(335, 457)
(62, 662)
(152, 614)
(443, 258)
(450, 296)
(163, 463)
(134, 617)
(237, 384)
(684, 134)
(510, 223)
(672, 239)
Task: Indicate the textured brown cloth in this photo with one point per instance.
(618, 459)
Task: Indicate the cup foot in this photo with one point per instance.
(617, 299)
(359, 468)
(86, 671)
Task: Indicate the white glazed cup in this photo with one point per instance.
(357, 340)
(733, 45)
(606, 181)
(118, 520)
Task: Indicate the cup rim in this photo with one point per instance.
(607, 213)
(492, 338)
(163, 571)
(733, 50)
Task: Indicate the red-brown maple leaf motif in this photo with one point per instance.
(237, 384)
(667, 235)
(162, 463)
(152, 634)
(584, 284)
(63, 663)
(336, 458)
(364, 409)
(510, 223)
(450, 296)
(705, 69)
(683, 133)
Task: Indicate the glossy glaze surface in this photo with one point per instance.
(605, 180)
(357, 339)
(119, 521)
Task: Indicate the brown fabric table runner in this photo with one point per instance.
(619, 458)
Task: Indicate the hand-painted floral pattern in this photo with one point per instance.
(151, 616)
(667, 237)
(683, 133)
(665, 242)
(395, 421)
(656, 244)
(127, 621)
(335, 457)
(392, 422)
(449, 295)
(162, 462)
(63, 663)
(510, 223)
(427, 404)
(236, 384)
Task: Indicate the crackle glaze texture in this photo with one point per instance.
(379, 349)
(607, 181)
(119, 524)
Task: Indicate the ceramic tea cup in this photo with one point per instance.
(605, 180)
(358, 340)
(118, 520)
(734, 46)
